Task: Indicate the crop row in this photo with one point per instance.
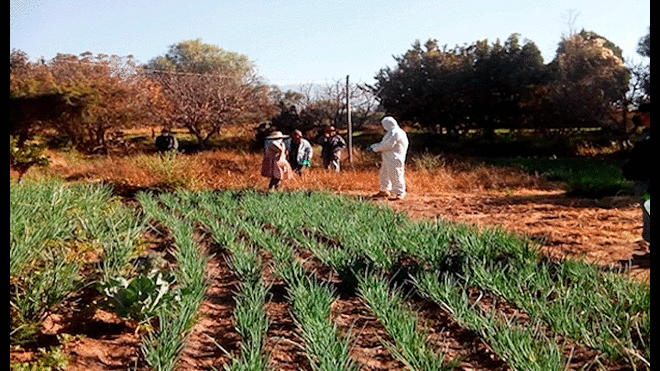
(249, 313)
(450, 261)
(477, 277)
(566, 303)
(310, 299)
(53, 230)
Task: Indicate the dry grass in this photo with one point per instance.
(232, 169)
(240, 168)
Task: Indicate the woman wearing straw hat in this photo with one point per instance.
(274, 164)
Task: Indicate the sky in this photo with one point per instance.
(313, 41)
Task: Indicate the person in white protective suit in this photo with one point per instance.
(392, 148)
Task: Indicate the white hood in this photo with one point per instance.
(395, 141)
(393, 148)
(389, 123)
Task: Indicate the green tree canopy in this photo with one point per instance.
(195, 56)
(487, 86)
(463, 87)
(644, 49)
(587, 77)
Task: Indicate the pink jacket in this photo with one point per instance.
(274, 163)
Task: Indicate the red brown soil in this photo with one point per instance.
(606, 231)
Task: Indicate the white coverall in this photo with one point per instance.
(392, 148)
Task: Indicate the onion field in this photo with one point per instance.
(361, 286)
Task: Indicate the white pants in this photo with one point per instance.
(392, 177)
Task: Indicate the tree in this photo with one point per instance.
(115, 96)
(425, 86)
(488, 86)
(475, 86)
(195, 56)
(290, 103)
(639, 91)
(315, 106)
(83, 97)
(501, 75)
(587, 78)
(644, 73)
(32, 100)
(208, 87)
(330, 105)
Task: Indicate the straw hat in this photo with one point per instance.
(276, 135)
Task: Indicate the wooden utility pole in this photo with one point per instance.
(350, 125)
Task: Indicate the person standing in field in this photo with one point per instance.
(637, 167)
(392, 148)
(300, 152)
(166, 142)
(331, 145)
(275, 164)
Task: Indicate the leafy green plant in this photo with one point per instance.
(26, 155)
(139, 298)
(51, 359)
(36, 293)
(603, 311)
(522, 346)
(252, 325)
(451, 264)
(311, 310)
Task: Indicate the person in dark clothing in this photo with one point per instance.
(166, 142)
(331, 145)
(637, 168)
